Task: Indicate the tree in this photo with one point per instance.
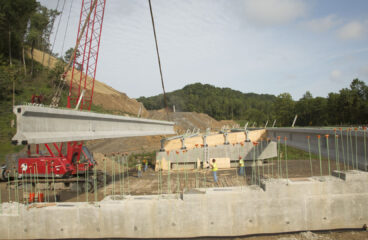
(283, 109)
(68, 54)
(304, 109)
(14, 17)
(38, 31)
(359, 101)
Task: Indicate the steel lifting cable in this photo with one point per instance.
(56, 32)
(66, 28)
(158, 58)
(49, 32)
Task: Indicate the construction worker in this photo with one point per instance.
(214, 170)
(145, 165)
(139, 168)
(241, 166)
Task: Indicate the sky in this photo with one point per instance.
(260, 46)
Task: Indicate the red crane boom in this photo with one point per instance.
(86, 56)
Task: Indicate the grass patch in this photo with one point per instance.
(296, 154)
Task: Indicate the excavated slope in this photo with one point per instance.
(104, 95)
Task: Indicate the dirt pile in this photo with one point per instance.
(104, 95)
(130, 145)
(190, 120)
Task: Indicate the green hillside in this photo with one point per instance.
(347, 107)
(219, 103)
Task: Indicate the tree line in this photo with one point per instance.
(348, 106)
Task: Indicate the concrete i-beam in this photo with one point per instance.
(36, 125)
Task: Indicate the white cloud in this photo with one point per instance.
(335, 76)
(352, 31)
(323, 24)
(274, 12)
(363, 71)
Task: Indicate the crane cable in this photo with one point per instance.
(66, 29)
(57, 31)
(159, 61)
(57, 94)
(48, 32)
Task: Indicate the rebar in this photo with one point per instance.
(310, 155)
(342, 145)
(351, 148)
(177, 175)
(365, 148)
(253, 165)
(95, 183)
(53, 182)
(272, 163)
(113, 174)
(37, 186)
(9, 185)
(261, 149)
(104, 160)
(23, 186)
(127, 167)
(279, 158)
(319, 154)
(47, 188)
(347, 149)
(168, 178)
(286, 159)
(86, 182)
(337, 157)
(258, 170)
(119, 174)
(122, 172)
(16, 187)
(1, 203)
(159, 177)
(77, 180)
(328, 155)
(356, 148)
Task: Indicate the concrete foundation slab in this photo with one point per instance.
(280, 205)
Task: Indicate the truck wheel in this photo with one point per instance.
(4, 174)
(88, 185)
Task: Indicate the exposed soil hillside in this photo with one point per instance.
(190, 120)
(104, 95)
(130, 145)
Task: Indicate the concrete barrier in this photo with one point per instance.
(279, 205)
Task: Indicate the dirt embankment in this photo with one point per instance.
(104, 95)
(190, 120)
(130, 145)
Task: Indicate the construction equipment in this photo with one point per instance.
(66, 161)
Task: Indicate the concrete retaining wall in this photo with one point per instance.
(280, 205)
(197, 155)
(349, 146)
